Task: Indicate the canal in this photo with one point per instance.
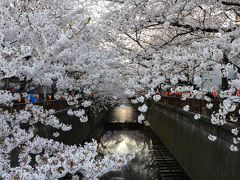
(121, 133)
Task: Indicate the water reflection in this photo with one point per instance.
(128, 141)
(123, 113)
(141, 167)
(152, 160)
(124, 142)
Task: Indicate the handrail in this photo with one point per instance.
(197, 106)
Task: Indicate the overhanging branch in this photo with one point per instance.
(189, 27)
(231, 3)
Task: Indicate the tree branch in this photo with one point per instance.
(135, 40)
(174, 37)
(187, 26)
(230, 3)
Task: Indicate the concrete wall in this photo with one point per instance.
(79, 133)
(188, 140)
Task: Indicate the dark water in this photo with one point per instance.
(141, 167)
(123, 135)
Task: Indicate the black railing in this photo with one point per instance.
(198, 106)
(49, 104)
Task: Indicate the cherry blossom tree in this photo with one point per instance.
(52, 43)
(178, 40)
(94, 52)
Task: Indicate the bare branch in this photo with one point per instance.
(230, 3)
(135, 40)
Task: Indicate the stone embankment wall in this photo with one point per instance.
(188, 140)
(79, 133)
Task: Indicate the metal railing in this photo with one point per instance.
(199, 106)
(49, 104)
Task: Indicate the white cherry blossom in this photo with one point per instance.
(212, 137)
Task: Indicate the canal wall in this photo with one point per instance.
(187, 139)
(80, 132)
